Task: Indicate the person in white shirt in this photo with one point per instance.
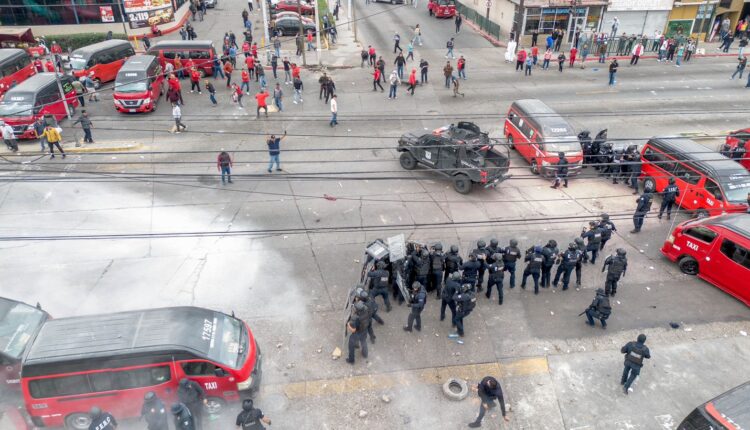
(9, 137)
(334, 111)
(177, 115)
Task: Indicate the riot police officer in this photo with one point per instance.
(192, 395)
(550, 253)
(582, 258)
(183, 418)
(492, 249)
(453, 262)
(616, 266)
(465, 301)
(599, 309)
(635, 165)
(452, 286)
(437, 263)
(634, 352)
(251, 418)
(154, 412)
(567, 263)
(669, 197)
(379, 283)
(584, 137)
(495, 277)
(511, 254)
(534, 259)
(643, 205)
(101, 420)
(607, 227)
(738, 153)
(421, 260)
(372, 311)
(357, 327)
(416, 303)
(481, 253)
(470, 270)
(606, 158)
(593, 240)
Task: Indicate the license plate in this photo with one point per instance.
(131, 110)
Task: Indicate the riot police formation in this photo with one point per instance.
(568, 261)
(481, 254)
(154, 412)
(582, 258)
(101, 420)
(511, 254)
(669, 197)
(607, 227)
(357, 327)
(452, 287)
(372, 311)
(598, 309)
(470, 270)
(534, 260)
(634, 352)
(616, 266)
(437, 263)
(417, 299)
(643, 205)
(453, 262)
(192, 395)
(465, 301)
(550, 253)
(495, 277)
(251, 418)
(421, 260)
(593, 240)
(183, 418)
(379, 283)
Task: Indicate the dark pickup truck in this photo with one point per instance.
(462, 152)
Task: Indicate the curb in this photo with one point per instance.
(89, 149)
(495, 42)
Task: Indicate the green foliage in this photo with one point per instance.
(71, 42)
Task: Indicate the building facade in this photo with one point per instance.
(637, 16)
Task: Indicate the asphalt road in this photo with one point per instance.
(281, 256)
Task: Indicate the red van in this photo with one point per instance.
(539, 134)
(736, 137)
(34, 98)
(113, 360)
(716, 249)
(709, 183)
(138, 85)
(442, 8)
(201, 52)
(104, 59)
(15, 67)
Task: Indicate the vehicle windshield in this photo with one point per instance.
(18, 322)
(131, 87)
(231, 345)
(446, 2)
(11, 108)
(78, 63)
(737, 190)
(566, 144)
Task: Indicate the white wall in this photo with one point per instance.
(632, 22)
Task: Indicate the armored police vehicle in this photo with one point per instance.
(461, 152)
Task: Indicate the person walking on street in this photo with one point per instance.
(410, 51)
(417, 34)
(245, 78)
(448, 72)
(461, 66)
(195, 80)
(412, 81)
(9, 136)
(423, 69)
(573, 53)
(228, 72)
(459, 20)
(449, 45)
(80, 92)
(529, 66)
(742, 62)
(297, 83)
(560, 61)
(274, 150)
(680, 54)
(634, 352)
(637, 52)
(39, 125)
(90, 86)
(399, 63)
(237, 95)
(643, 205)
(310, 46)
(334, 111)
(669, 198)
(224, 164)
(397, 43)
(53, 138)
(613, 71)
(547, 57)
(520, 59)
(260, 98)
(376, 80)
(86, 125)
(211, 92)
(287, 71)
(177, 115)
(456, 85)
(689, 50)
(488, 391)
(603, 53)
(395, 82)
(277, 95)
(743, 45)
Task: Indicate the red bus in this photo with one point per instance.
(138, 85)
(103, 59)
(19, 323)
(34, 98)
(539, 134)
(716, 249)
(113, 360)
(15, 67)
(442, 8)
(709, 183)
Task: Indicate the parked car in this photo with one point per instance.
(284, 14)
(211, 3)
(289, 26)
(293, 6)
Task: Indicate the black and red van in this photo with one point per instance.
(100, 61)
(19, 324)
(15, 67)
(734, 138)
(138, 85)
(709, 183)
(34, 98)
(113, 360)
(539, 134)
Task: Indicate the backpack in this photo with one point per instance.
(603, 307)
(470, 302)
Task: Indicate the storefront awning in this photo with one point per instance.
(16, 35)
(564, 3)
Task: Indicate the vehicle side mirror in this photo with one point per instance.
(219, 372)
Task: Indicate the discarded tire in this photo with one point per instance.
(455, 389)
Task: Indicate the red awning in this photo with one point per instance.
(21, 34)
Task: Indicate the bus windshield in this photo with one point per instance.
(18, 322)
(567, 144)
(231, 344)
(131, 87)
(11, 108)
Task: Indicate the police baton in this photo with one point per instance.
(584, 311)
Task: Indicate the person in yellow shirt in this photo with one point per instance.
(53, 139)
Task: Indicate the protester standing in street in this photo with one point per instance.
(334, 111)
(742, 63)
(274, 150)
(448, 72)
(224, 164)
(423, 69)
(9, 136)
(176, 114)
(395, 82)
(412, 81)
(39, 125)
(459, 20)
(613, 71)
(488, 391)
(211, 92)
(450, 46)
(86, 125)
(260, 98)
(53, 139)
(277, 95)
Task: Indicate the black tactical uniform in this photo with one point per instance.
(481, 253)
(416, 303)
(550, 253)
(534, 259)
(511, 254)
(154, 412)
(669, 197)
(568, 262)
(496, 275)
(643, 205)
(183, 418)
(437, 264)
(465, 300)
(453, 262)
(634, 352)
(599, 309)
(372, 312)
(582, 258)
(607, 227)
(379, 284)
(251, 418)
(102, 420)
(452, 286)
(618, 264)
(357, 326)
(191, 394)
(593, 240)
(470, 270)
(422, 266)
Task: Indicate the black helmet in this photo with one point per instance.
(552, 243)
(642, 338)
(593, 223)
(416, 285)
(438, 246)
(184, 382)
(247, 404)
(605, 217)
(621, 252)
(177, 408)
(95, 412)
(472, 257)
(561, 154)
(497, 256)
(466, 287)
(599, 291)
(572, 246)
(424, 253)
(671, 181)
(150, 396)
(481, 244)
(513, 242)
(454, 248)
(578, 241)
(455, 276)
(360, 307)
(364, 295)
(537, 249)
(381, 264)
(493, 243)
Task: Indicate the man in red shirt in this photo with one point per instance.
(250, 63)
(55, 49)
(573, 53)
(174, 85)
(376, 80)
(534, 54)
(245, 81)
(38, 66)
(373, 55)
(49, 66)
(261, 99)
(195, 80)
(520, 59)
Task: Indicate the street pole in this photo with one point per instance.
(62, 93)
(122, 14)
(703, 20)
(301, 33)
(264, 8)
(353, 20)
(349, 16)
(519, 21)
(317, 31)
